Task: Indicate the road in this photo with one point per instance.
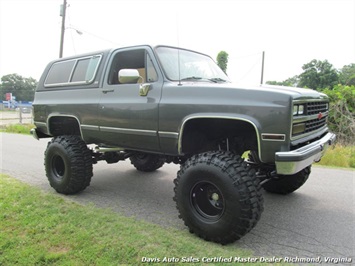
(317, 220)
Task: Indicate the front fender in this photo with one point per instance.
(244, 118)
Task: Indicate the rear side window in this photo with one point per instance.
(73, 72)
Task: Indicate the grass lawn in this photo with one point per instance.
(45, 229)
(17, 128)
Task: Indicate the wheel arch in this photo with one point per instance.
(63, 124)
(209, 121)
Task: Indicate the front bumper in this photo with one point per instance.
(289, 163)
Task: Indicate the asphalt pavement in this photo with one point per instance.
(315, 221)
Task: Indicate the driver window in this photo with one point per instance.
(132, 59)
(151, 72)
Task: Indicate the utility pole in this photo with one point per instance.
(262, 68)
(62, 14)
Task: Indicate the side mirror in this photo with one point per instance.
(128, 76)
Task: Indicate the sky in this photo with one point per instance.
(291, 32)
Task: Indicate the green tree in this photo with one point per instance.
(318, 75)
(347, 75)
(342, 112)
(22, 88)
(290, 82)
(222, 60)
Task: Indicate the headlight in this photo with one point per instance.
(301, 109)
(298, 109)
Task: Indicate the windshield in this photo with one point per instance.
(193, 66)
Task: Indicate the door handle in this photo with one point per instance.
(106, 91)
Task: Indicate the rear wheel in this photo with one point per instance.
(286, 184)
(218, 197)
(147, 162)
(68, 164)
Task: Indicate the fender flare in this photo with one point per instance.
(63, 115)
(255, 124)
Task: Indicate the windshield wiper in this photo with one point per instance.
(216, 80)
(192, 78)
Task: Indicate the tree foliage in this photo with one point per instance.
(290, 82)
(318, 75)
(222, 60)
(347, 75)
(21, 87)
(342, 112)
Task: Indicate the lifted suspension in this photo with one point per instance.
(110, 155)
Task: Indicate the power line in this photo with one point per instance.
(252, 68)
(96, 36)
(64, 14)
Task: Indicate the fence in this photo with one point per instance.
(21, 115)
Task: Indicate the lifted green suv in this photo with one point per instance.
(163, 104)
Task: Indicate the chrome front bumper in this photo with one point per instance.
(289, 163)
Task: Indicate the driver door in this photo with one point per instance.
(127, 119)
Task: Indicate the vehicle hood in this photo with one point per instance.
(293, 92)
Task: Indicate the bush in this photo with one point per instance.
(342, 113)
(339, 156)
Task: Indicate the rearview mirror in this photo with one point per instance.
(128, 76)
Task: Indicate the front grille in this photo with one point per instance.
(315, 124)
(313, 108)
(308, 126)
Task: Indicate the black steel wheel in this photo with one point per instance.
(58, 167)
(207, 200)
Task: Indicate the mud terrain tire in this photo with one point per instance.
(218, 196)
(68, 164)
(147, 162)
(287, 184)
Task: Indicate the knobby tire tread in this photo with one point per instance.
(80, 164)
(244, 181)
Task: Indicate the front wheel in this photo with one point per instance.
(68, 164)
(286, 184)
(218, 196)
